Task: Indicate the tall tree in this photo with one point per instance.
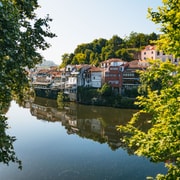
(160, 85)
(22, 35)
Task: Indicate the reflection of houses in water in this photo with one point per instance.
(96, 126)
(113, 137)
(46, 113)
(90, 126)
(87, 126)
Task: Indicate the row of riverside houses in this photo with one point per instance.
(119, 74)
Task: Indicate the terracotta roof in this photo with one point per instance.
(137, 64)
(79, 66)
(113, 60)
(95, 69)
(149, 47)
(43, 71)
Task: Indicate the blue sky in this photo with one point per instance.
(81, 21)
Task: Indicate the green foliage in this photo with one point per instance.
(139, 40)
(132, 93)
(168, 16)
(161, 141)
(157, 76)
(7, 153)
(62, 97)
(106, 90)
(104, 97)
(101, 49)
(160, 89)
(22, 35)
(79, 58)
(86, 95)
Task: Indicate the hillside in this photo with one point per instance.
(98, 50)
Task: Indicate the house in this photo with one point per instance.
(75, 76)
(93, 77)
(130, 75)
(150, 52)
(111, 62)
(113, 70)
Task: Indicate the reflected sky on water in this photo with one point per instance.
(72, 142)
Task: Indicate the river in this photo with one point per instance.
(72, 142)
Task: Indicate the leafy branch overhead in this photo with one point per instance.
(22, 35)
(160, 98)
(168, 16)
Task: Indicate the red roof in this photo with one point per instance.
(149, 47)
(113, 60)
(95, 69)
(137, 64)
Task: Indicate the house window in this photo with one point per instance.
(152, 52)
(158, 53)
(144, 53)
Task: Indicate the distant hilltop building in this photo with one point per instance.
(150, 52)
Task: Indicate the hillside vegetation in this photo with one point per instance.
(98, 50)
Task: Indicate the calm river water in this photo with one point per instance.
(72, 142)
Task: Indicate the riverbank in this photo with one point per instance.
(92, 96)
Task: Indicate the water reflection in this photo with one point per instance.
(91, 122)
(72, 141)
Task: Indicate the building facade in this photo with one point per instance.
(150, 52)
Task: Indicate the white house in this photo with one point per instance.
(74, 78)
(96, 77)
(111, 62)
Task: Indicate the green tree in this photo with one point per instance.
(106, 90)
(65, 59)
(22, 35)
(161, 141)
(124, 54)
(79, 58)
(168, 16)
(160, 85)
(115, 43)
(101, 49)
